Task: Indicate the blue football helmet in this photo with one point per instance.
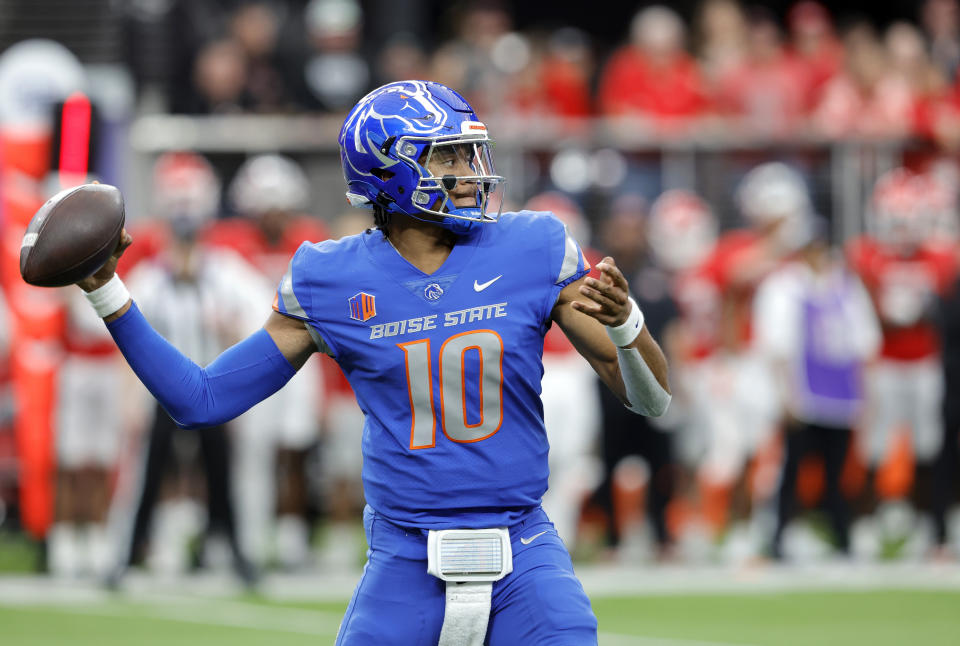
(388, 140)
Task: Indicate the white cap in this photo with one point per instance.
(269, 183)
(773, 191)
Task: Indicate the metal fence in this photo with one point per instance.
(593, 160)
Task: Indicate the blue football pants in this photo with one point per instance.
(540, 603)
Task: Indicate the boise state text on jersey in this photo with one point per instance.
(446, 367)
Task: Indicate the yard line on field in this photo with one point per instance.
(616, 639)
(300, 622)
(309, 618)
(220, 613)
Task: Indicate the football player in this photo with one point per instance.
(437, 318)
(904, 273)
(775, 204)
(271, 194)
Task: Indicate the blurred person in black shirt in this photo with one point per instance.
(624, 235)
(948, 461)
(218, 81)
(255, 28)
(230, 61)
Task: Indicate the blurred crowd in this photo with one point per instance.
(809, 374)
(815, 379)
(730, 66)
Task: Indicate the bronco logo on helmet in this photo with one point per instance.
(388, 139)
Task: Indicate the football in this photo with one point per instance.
(72, 235)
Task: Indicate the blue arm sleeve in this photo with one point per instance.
(195, 397)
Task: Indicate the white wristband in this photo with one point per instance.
(109, 298)
(624, 334)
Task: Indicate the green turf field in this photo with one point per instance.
(876, 618)
(873, 618)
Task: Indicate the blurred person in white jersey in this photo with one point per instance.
(774, 203)
(270, 194)
(88, 438)
(204, 299)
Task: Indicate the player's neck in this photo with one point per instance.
(424, 245)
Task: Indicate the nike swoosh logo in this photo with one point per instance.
(479, 287)
(527, 541)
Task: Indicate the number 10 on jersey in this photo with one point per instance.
(454, 388)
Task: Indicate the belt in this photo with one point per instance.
(469, 561)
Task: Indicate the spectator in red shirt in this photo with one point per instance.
(766, 92)
(814, 45)
(653, 76)
(867, 98)
(910, 61)
(720, 37)
(565, 71)
(935, 112)
(547, 77)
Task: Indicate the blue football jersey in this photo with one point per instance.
(446, 367)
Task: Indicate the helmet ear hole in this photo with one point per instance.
(382, 174)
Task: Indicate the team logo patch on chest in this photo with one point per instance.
(430, 288)
(432, 292)
(362, 306)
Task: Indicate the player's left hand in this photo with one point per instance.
(607, 295)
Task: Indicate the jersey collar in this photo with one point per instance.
(389, 259)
